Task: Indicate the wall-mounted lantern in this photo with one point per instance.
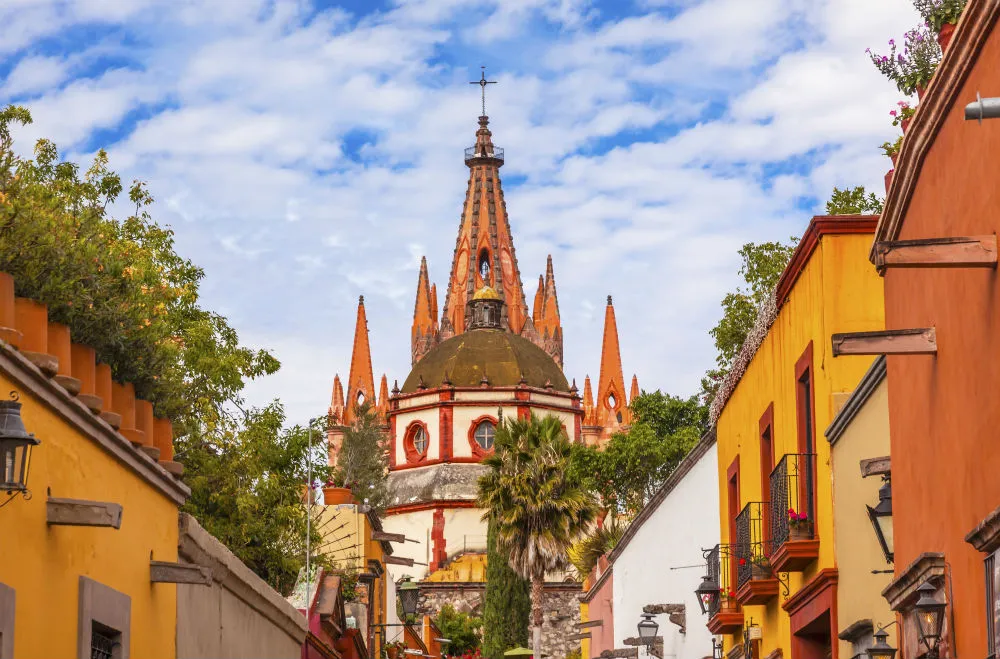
(647, 629)
(707, 593)
(930, 617)
(409, 594)
(881, 648)
(881, 517)
(15, 448)
(983, 108)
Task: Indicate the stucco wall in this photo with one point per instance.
(943, 409)
(415, 526)
(44, 564)
(238, 615)
(837, 291)
(859, 593)
(673, 536)
(602, 606)
(430, 418)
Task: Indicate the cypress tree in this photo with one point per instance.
(506, 606)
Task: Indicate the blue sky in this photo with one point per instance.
(306, 153)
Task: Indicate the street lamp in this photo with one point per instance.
(708, 593)
(881, 648)
(15, 448)
(409, 593)
(647, 629)
(930, 617)
(881, 517)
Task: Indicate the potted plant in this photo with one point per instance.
(799, 526)
(727, 600)
(941, 17)
(394, 650)
(891, 150)
(912, 68)
(336, 493)
(902, 115)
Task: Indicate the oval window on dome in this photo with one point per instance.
(485, 434)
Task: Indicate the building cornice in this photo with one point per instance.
(866, 387)
(929, 565)
(971, 33)
(986, 536)
(825, 578)
(29, 379)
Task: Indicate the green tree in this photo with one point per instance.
(246, 482)
(633, 465)
(361, 463)
(538, 507)
(762, 265)
(853, 201)
(506, 604)
(463, 629)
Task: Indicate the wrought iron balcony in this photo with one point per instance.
(494, 153)
(725, 616)
(751, 545)
(793, 511)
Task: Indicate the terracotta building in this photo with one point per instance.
(484, 357)
(936, 248)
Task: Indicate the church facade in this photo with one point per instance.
(486, 357)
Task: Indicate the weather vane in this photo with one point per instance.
(482, 82)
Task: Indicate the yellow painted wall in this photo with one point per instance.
(44, 564)
(837, 291)
(584, 613)
(857, 550)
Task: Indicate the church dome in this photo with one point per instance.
(486, 293)
(499, 355)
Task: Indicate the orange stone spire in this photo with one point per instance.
(589, 419)
(383, 399)
(424, 334)
(536, 308)
(484, 249)
(360, 383)
(634, 393)
(336, 411)
(549, 326)
(612, 407)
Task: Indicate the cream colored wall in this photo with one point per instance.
(462, 421)
(857, 549)
(340, 527)
(417, 401)
(431, 418)
(415, 526)
(43, 564)
(506, 396)
(464, 529)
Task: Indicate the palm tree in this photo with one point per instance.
(537, 509)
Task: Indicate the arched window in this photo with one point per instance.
(485, 434)
(415, 442)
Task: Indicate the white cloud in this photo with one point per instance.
(645, 150)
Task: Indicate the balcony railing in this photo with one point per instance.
(472, 153)
(720, 572)
(751, 546)
(792, 505)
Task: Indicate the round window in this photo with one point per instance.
(420, 440)
(484, 434)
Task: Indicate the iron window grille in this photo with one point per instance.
(102, 643)
(792, 495)
(751, 546)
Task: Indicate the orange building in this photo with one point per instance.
(936, 247)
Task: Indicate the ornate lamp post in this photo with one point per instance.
(708, 593)
(881, 517)
(930, 617)
(647, 630)
(409, 593)
(881, 649)
(15, 448)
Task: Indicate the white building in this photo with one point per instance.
(652, 562)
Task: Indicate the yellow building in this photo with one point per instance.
(776, 565)
(354, 540)
(859, 452)
(87, 559)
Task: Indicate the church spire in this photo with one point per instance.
(383, 400)
(336, 410)
(423, 335)
(360, 383)
(549, 325)
(612, 406)
(484, 249)
(589, 418)
(634, 393)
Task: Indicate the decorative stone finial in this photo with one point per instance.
(609, 300)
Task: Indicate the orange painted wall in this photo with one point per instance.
(944, 410)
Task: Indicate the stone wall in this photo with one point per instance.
(561, 609)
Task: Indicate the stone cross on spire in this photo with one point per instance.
(482, 82)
